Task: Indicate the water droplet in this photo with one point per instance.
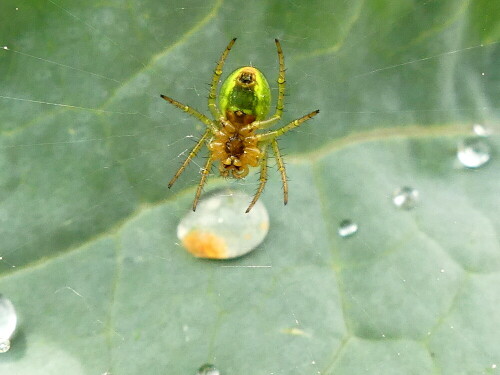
(8, 322)
(405, 197)
(220, 228)
(481, 130)
(473, 152)
(5, 47)
(208, 369)
(347, 228)
(4, 346)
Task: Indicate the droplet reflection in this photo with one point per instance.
(8, 322)
(481, 130)
(208, 369)
(473, 152)
(347, 228)
(405, 198)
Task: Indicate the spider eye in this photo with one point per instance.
(246, 78)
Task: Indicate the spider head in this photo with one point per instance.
(246, 90)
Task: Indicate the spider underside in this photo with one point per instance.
(231, 136)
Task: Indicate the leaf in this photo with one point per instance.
(89, 254)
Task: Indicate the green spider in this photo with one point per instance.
(231, 138)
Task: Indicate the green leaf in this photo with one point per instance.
(89, 254)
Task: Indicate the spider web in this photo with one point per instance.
(89, 226)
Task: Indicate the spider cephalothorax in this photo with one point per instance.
(235, 145)
(231, 136)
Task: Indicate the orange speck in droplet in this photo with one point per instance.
(264, 225)
(205, 245)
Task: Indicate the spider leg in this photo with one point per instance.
(269, 136)
(281, 93)
(281, 169)
(212, 105)
(190, 157)
(262, 179)
(204, 174)
(193, 112)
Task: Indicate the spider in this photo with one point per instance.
(231, 136)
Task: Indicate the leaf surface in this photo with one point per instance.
(89, 253)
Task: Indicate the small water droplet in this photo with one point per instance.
(220, 228)
(8, 322)
(5, 47)
(481, 130)
(4, 346)
(347, 228)
(473, 152)
(208, 369)
(405, 197)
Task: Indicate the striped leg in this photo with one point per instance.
(281, 169)
(269, 136)
(212, 105)
(193, 112)
(262, 179)
(204, 174)
(281, 93)
(190, 157)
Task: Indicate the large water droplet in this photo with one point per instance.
(208, 369)
(405, 197)
(220, 228)
(473, 152)
(8, 322)
(347, 228)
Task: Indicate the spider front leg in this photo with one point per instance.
(204, 174)
(212, 96)
(262, 179)
(280, 105)
(193, 112)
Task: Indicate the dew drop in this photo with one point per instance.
(473, 152)
(4, 345)
(405, 197)
(347, 228)
(481, 130)
(208, 369)
(5, 48)
(8, 322)
(220, 228)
